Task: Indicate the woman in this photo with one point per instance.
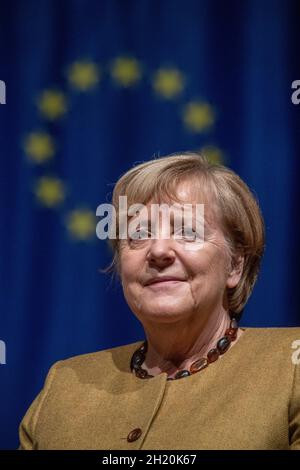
(198, 381)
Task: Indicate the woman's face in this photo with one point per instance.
(164, 281)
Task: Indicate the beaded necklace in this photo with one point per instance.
(213, 354)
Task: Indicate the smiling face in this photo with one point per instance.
(163, 281)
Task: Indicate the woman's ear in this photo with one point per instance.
(236, 271)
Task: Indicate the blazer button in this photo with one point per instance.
(134, 435)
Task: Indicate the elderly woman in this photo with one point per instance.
(198, 381)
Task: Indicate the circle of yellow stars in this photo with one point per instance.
(84, 76)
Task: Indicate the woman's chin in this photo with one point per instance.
(165, 313)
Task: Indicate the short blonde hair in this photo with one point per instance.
(240, 216)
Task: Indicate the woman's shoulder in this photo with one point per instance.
(117, 357)
(272, 333)
(281, 343)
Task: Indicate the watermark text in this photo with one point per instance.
(139, 222)
(2, 92)
(295, 97)
(2, 352)
(296, 354)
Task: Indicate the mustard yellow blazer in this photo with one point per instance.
(248, 399)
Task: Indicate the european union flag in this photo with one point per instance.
(92, 87)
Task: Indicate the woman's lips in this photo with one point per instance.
(164, 283)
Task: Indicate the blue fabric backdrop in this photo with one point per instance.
(93, 87)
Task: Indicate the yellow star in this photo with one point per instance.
(126, 71)
(52, 104)
(213, 154)
(50, 191)
(39, 146)
(168, 82)
(198, 116)
(84, 75)
(81, 224)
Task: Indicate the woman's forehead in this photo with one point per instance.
(189, 193)
(185, 192)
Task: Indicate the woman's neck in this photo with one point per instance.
(172, 347)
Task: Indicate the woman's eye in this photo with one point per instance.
(185, 234)
(140, 235)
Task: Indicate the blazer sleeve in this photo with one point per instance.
(294, 421)
(27, 428)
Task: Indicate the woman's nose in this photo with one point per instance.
(161, 252)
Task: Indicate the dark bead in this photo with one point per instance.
(138, 359)
(136, 367)
(233, 323)
(143, 349)
(182, 373)
(141, 373)
(199, 365)
(134, 435)
(232, 332)
(223, 344)
(213, 355)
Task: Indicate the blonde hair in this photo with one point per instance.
(240, 216)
